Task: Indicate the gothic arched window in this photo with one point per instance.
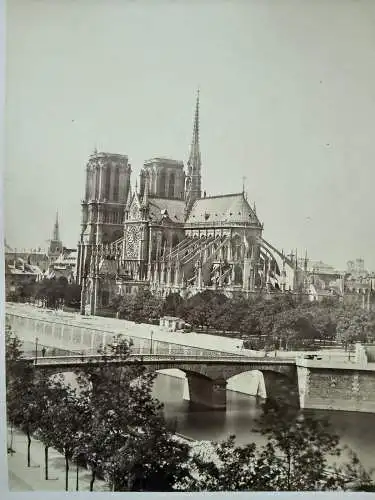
(162, 186)
(237, 248)
(171, 185)
(97, 183)
(107, 172)
(116, 184)
(238, 275)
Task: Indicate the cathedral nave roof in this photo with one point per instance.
(225, 208)
(174, 208)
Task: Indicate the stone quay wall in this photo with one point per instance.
(60, 333)
(347, 386)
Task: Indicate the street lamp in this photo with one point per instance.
(36, 349)
(151, 335)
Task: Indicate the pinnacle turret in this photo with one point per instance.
(145, 194)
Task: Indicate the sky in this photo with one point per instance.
(287, 93)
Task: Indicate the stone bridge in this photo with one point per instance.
(207, 377)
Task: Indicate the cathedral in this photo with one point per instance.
(167, 236)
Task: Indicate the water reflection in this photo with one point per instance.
(356, 430)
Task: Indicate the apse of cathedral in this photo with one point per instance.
(169, 237)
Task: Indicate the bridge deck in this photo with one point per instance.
(65, 361)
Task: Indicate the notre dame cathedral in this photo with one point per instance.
(168, 236)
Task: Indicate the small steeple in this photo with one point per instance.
(56, 232)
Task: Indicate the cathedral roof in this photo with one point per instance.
(174, 208)
(226, 208)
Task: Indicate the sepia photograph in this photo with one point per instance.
(189, 246)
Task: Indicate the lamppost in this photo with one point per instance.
(151, 336)
(36, 349)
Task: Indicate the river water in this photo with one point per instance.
(356, 430)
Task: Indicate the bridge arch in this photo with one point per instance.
(250, 382)
(199, 388)
(268, 382)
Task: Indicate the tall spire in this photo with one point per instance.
(195, 140)
(56, 232)
(193, 179)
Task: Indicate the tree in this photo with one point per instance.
(199, 309)
(67, 424)
(52, 292)
(22, 393)
(72, 295)
(226, 468)
(151, 460)
(23, 404)
(126, 434)
(13, 354)
(152, 307)
(297, 451)
(354, 325)
(52, 392)
(173, 304)
(114, 403)
(229, 315)
(141, 307)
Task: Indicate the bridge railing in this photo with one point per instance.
(75, 360)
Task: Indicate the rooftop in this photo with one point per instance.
(174, 208)
(225, 208)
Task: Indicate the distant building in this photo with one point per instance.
(172, 323)
(356, 268)
(18, 275)
(355, 286)
(56, 261)
(35, 257)
(64, 266)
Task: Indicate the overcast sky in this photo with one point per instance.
(287, 100)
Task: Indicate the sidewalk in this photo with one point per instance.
(23, 478)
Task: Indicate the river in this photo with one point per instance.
(356, 430)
